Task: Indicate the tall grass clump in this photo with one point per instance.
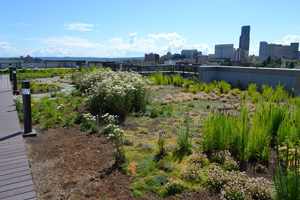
(259, 138)
(224, 87)
(267, 92)
(184, 139)
(195, 88)
(208, 87)
(252, 88)
(276, 117)
(280, 94)
(186, 85)
(157, 78)
(177, 80)
(217, 132)
(287, 184)
(117, 93)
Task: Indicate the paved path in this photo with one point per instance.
(15, 176)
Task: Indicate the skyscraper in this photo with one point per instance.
(245, 39)
(262, 50)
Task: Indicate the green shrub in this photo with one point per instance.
(173, 187)
(199, 160)
(69, 122)
(186, 85)
(139, 188)
(158, 180)
(235, 91)
(195, 88)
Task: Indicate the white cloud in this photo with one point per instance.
(164, 36)
(116, 41)
(79, 26)
(288, 39)
(6, 49)
(132, 37)
(7, 36)
(24, 24)
(67, 41)
(114, 47)
(176, 45)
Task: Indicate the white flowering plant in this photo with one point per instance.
(88, 122)
(115, 92)
(115, 133)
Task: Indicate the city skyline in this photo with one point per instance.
(133, 28)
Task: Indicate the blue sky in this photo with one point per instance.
(119, 28)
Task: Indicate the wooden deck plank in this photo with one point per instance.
(15, 176)
(16, 180)
(25, 196)
(15, 185)
(16, 191)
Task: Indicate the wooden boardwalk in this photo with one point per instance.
(15, 176)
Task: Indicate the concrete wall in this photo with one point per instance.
(270, 76)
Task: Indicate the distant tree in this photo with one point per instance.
(273, 65)
(269, 60)
(292, 65)
(279, 61)
(264, 63)
(287, 64)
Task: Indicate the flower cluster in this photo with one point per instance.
(248, 188)
(89, 117)
(237, 185)
(114, 92)
(192, 173)
(199, 160)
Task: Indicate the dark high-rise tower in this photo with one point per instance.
(245, 38)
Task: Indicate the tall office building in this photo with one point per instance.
(245, 39)
(295, 47)
(262, 50)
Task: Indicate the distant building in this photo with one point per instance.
(245, 40)
(224, 51)
(11, 63)
(211, 56)
(64, 63)
(151, 57)
(295, 51)
(262, 50)
(190, 53)
(28, 59)
(278, 51)
(240, 54)
(202, 59)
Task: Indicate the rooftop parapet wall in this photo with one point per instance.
(270, 76)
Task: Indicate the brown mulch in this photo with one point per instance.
(69, 164)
